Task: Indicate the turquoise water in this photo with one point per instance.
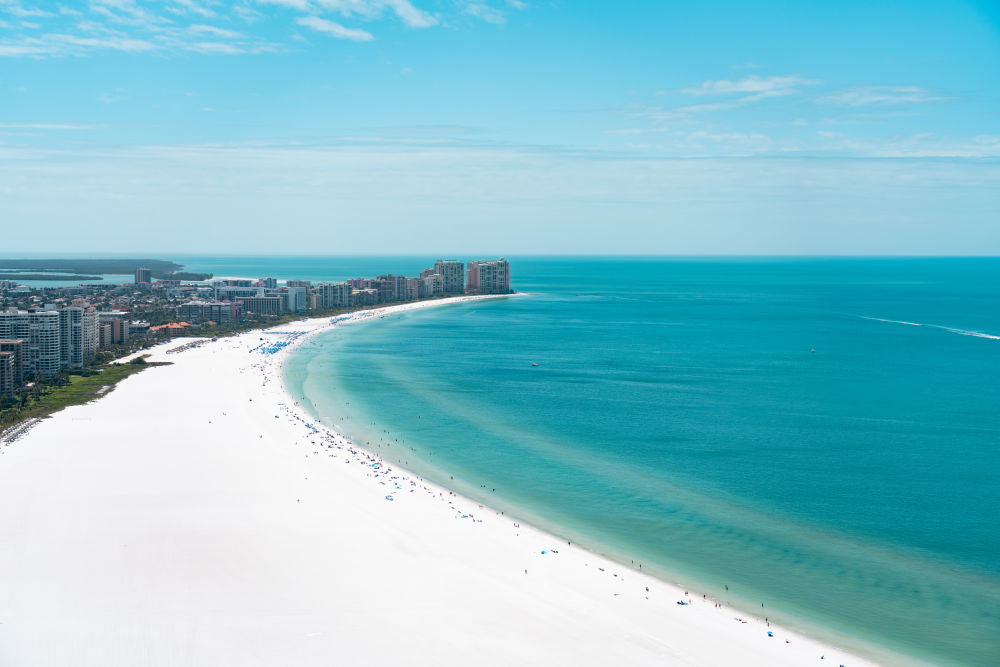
(679, 418)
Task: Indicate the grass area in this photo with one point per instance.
(80, 389)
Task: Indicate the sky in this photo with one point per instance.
(500, 127)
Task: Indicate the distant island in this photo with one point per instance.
(47, 276)
(82, 268)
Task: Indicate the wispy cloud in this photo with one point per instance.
(217, 32)
(185, 6)
(485, 12)
(20, 11)
(754, 87)
(727, 94)
(404, 10)
(863, 96)
(137, 26)
(334, 29)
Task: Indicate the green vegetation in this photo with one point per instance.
(119, 266)
(65, 389)
(161, 269)
(46, 276)
(181, 275)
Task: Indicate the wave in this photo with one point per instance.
(961, 332)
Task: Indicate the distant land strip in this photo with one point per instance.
(46, 276)
(81, 269)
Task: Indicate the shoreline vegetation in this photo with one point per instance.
(46, 276)
(82, 269)
(40, 400)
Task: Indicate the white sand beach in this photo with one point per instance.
(192, 517)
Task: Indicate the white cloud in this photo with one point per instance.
(757, 87)
(334, 29)
(485, 12)
(23, 12)
(301, 5)
(411, 16)
(223, 48)
(194, 8)
(217, 32)
(137, 26)
(861, 96)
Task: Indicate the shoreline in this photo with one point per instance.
(304, 414)
(256, 553)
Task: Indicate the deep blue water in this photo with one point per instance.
(780, 426)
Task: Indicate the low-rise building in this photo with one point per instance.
(222, 312)
(364, 297)
(262, 305)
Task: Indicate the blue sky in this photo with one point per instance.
(500, 126)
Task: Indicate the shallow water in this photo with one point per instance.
(782, 427)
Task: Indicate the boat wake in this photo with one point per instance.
(961, 332)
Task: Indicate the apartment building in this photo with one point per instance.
(453, 274)
(39, 331)
(488, 276)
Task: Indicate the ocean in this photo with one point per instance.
(813, 440)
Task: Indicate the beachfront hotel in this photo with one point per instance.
(488, 276)
(453, 275)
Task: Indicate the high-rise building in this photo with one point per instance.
(333, 295)
(386, 289)
(118, 321)
(103, 334)
(8, 375)
(431, 285)
(294, 298)
(269, 283)
(78, 335)
(15, 347)
(39, 332)
(412, 289)
(488, 277)
(453, 273)
(143, 276)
